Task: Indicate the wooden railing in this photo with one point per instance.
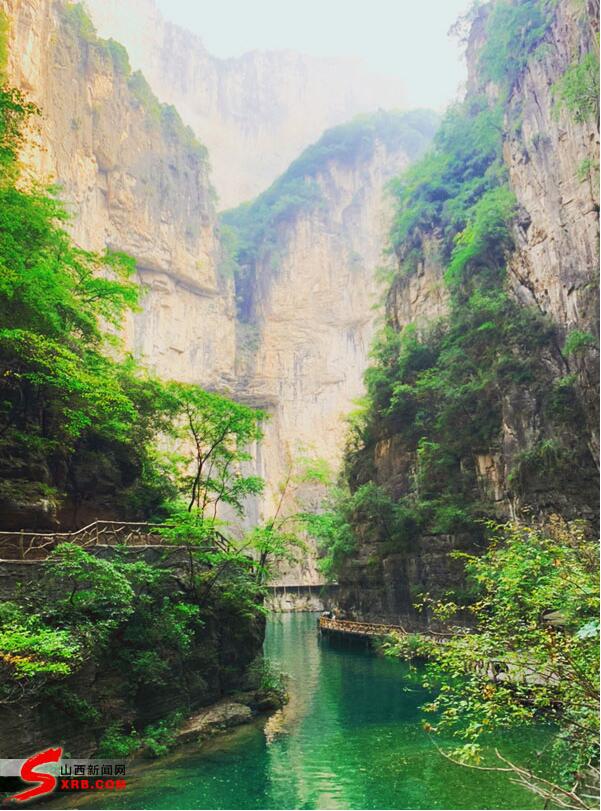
(359, 628)
(26, 545)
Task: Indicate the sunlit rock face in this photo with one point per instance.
(311, 312)
(255, 112)
(135, 182)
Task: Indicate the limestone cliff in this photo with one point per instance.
(256, 112)
(542, 456)
(137, 181)
(308, 288)
(553, 169)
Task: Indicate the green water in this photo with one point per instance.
(349, 738)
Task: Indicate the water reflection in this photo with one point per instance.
(350, 737)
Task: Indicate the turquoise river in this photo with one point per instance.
(350, 737)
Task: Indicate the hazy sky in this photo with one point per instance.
(407, 38)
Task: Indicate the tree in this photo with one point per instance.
(220, 432)
(532, 655)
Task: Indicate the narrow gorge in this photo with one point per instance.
(264, 329)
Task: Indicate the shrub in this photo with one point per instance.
(577, 91)
(532, 654)
(513, 30)
(159, 738)
(115, 743)
(577, 341)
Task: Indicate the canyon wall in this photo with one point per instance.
(255, 112)
(309, 297)
(293, 335)
(135, 179)
(537, 464)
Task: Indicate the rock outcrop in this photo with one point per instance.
(136, 181)
(265, 104)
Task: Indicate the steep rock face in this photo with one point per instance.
(311, 307)
(255, 112)
(553, 169)
(136, 180)
(552, 162)
(314, 309)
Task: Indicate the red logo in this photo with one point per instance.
(45, 782)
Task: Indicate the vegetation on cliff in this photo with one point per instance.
(251, 229)
(81, 423)
(444, 394)
(441, 391)
(94, 47)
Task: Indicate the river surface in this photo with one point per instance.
(350, 737)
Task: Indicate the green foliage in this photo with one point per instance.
(119, 56)
(437, 193)
(272, 543)
(264, 676)
(88, 589)
(76, 15)
(79, 20)
(297, 189)
(578, 341)
(129, 617)
(409, 647)
(441, 394)
(143, 92)
(116, 743)
(547, 460)
(513, 30)
(484, 243)
(164, 115)
(586, 169)
(332, 530)
(533, 654)
(159, 738)
(220, 431)
(577, 91)
(31, 650)
(155, 740)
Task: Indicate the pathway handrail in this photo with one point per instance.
(26, 543)
(363, 628)
(369, 628)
